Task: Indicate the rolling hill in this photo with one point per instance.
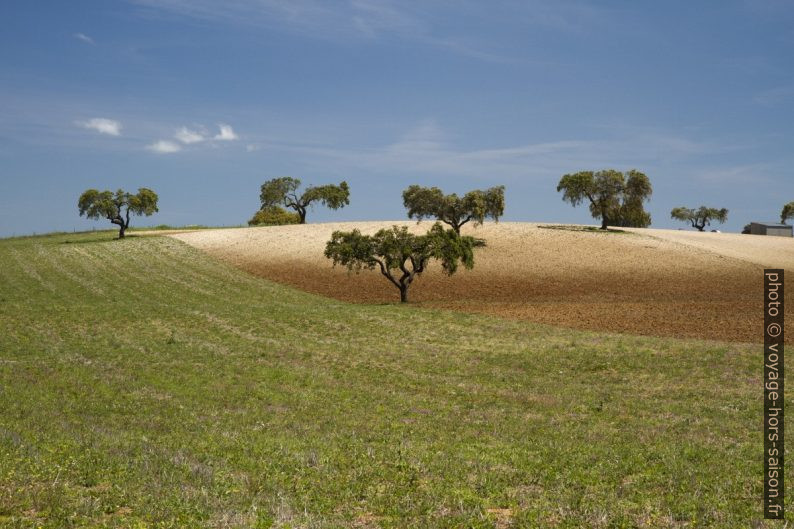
(642, 281)
(146, 384)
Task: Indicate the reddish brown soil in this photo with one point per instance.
(654, 282)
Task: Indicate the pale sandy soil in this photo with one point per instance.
(658, 282)
(771, 252)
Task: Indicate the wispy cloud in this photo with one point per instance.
(164, 147)
(83, 37)
(425, 23)
(774, 96)
(226, 133)
(372, 17)
(736, 174)
(427, 149)
(188, 136)
(110, 127)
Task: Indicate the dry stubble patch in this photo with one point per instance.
(654, 282)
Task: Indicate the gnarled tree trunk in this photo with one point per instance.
(118, 221)
(403, 293)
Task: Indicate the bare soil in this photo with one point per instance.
(639, 281)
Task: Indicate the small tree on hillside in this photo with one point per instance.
(117, 207)
(615, 198)
(401, 256)
(701, 217)
(476, 206)
(283, 192)
(787, 213)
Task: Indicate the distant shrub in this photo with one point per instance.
(274, 216)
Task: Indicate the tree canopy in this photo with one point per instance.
(283, 191)
(400, 255)
(787, 213)
(117, 207)
(476, 206)
(616, 198)
(701, 217)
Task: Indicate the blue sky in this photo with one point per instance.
(204, 100)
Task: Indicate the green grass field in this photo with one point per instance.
(143, 384)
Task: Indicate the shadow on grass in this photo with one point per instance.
(92, 240)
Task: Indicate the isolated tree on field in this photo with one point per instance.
(117, 207)
(787, 213)
(284, 192)
(401, 256)
(476, 206)
(701, 217)
(274, 216)
(614, 197)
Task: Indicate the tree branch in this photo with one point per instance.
(386, 272)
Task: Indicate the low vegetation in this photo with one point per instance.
(274, 216)
(145, 384)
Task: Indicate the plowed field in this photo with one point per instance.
(654, 282)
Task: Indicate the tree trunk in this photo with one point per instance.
(302, 215)
(404, 294)
(603, 222)
(119, 221)
(452, 224)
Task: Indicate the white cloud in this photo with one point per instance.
(251, 147)
(164, 147)
(187, 136)
(102, 125)
(85, 38)
(226, 133)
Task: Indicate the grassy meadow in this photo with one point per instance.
(144, 384)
